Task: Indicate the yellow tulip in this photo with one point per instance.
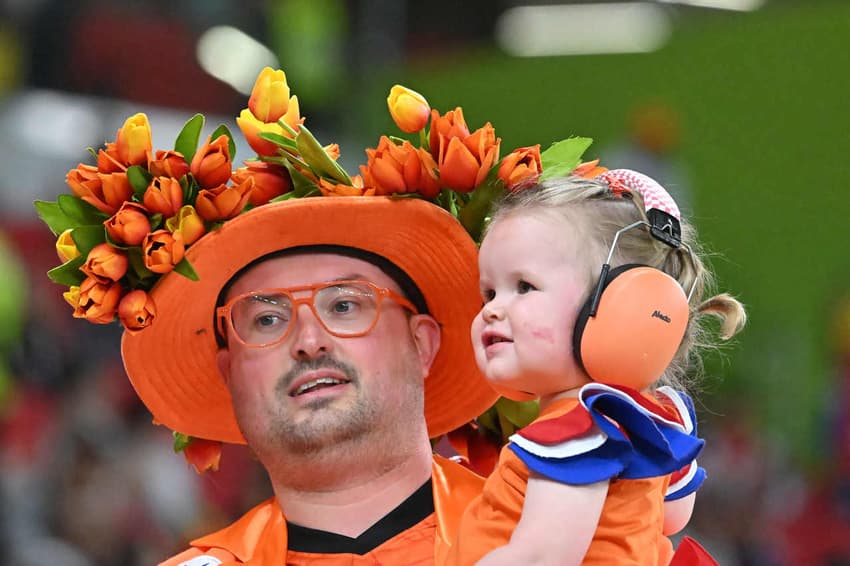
(409, 109)
(66, 248)
(270, 96)
(133, 140)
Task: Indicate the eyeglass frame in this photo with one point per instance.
(224, 316)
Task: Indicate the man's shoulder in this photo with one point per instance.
(198, 557)
(228, 544)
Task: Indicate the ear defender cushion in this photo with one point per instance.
(639, 325)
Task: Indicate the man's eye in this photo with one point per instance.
(524, 287)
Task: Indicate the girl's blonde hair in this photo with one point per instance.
(596, 213)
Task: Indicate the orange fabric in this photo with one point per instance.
(260, 537)
(629, 530)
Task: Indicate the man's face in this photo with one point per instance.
(314, 390)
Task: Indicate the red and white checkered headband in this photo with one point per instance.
(654, 195)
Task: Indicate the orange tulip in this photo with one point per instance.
(251, 126)
(162, 250)
(521, 168)
(106, 192)
(465, 163)
(129, 225)
(66, 248)
(589, 170)
(109, 161)
(136, 310)
(270, 96)
(270, 180)
(168, 164)
(203, 454)
(188, 223)
(105, 263)
(223, 202)
(332, 149)
(409, 109)
(330, 189)
(402, 168)
(96, 301)
(452, 125)
(163, 196)
(133, 140)
(211, 164)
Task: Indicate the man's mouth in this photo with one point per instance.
(316, 384)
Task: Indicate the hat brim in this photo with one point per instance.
(172, 363)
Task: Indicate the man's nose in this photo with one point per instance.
(309, 338)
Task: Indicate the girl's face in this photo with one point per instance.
(534, 279)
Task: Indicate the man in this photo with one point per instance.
(331, 335)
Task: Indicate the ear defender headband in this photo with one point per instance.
(631, 326)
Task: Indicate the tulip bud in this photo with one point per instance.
(211, 164)
(409, 109)
(72, 296)
(270, 180)
(270, 96)
(162, 250)
(97, 301)
(188, 223)
(133, 140)
(251, 127)
(464, 164)
(105, 263)
(136, 310)
(168, 164)
(589, 170)
(164, 196)
(356, 189)
(203, 454)
(223, 202)
(452, 125)
(104, 191)
(400, 169)
(66, 248)
(129, 225)
(521, 168)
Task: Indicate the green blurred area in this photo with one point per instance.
(765, 104)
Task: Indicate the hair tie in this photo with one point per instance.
(654, 195)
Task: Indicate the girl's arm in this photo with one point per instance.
(557, 524)
(677, 513)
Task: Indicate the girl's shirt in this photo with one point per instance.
(630, 526)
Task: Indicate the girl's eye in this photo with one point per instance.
(524, 287)
(488, 295)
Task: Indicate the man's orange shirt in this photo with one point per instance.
(260, 536)
(629, 530)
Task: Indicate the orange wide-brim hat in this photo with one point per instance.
(172, 363)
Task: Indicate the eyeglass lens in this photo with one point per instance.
(344, 309)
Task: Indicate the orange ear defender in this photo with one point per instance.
(629, 329)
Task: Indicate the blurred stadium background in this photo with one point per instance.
(740, 107)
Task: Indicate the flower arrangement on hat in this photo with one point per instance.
(132, 215)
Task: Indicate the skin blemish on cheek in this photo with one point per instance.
(545, 334)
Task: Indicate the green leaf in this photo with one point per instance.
(185, 269)
(69, 272)
(317, 158)
(519, 413)
(562, 157)
(181, 441)
(474, 215)
(231, 145)
(139, 276)
(53, 215)
(87, 237)
(282, 141)
(79, 210)
(301, 184)
(139, 179)
(156, 221)
(187, 140)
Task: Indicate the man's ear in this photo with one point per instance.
(222, 359)
(426, 335)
